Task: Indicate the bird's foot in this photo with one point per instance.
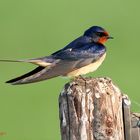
(79, 77)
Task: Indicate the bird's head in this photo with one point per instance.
(97, 34)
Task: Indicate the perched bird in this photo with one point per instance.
(81, 56)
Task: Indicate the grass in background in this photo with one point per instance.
(33, 28)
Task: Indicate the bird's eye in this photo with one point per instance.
(100, 34)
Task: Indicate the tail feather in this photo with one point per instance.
(16, 80)
(38, 74)
(39, 62)
(12, 61)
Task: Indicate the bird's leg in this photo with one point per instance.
(76, 78)
(81, 77)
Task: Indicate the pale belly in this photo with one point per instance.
(87, 69)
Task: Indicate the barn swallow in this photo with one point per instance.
(83, 55)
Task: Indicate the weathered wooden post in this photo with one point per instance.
(131, 121)
(135, 126)
(91, 109)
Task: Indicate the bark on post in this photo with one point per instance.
(127, 117)
(91, 109)
(135, 126)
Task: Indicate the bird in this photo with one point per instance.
(83, 55)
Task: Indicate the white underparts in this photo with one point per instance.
(87, 69)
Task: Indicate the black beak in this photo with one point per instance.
(109, 37)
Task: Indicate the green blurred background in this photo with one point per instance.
(34, 28)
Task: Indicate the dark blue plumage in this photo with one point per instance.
(83, 55)
(94, 29)
(82, 47)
